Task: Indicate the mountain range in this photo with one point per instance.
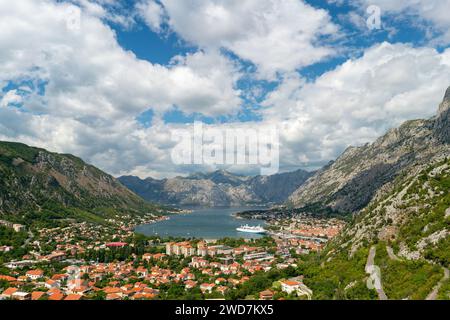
(219, 188)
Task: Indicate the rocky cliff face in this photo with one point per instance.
(349, 183)
(219, 188)
(35, 180)
(412, 212)
(398, 191)
(442, 121)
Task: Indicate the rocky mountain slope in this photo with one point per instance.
(404, 231)
(219, 188)
(400, 186)
(43, 184)
(349, 183)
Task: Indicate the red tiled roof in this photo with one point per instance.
(291, 283)
(73, 297)
(56, 296)
(35, 272)
(112, 296)
(109, 290)
(9, 291)
(7, 278)
(36, 295)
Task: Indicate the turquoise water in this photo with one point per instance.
(208, 223)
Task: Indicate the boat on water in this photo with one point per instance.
(251, 229)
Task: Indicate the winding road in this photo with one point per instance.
(391, 254)
(375, 274)
(433, 294)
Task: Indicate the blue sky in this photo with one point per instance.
(110, 80)
(160, 48)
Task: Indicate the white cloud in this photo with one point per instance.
(152, 13)
(95, 89)
(277, 36)
(89, 74)
(358, 101)
(10, 97)
(433, 11)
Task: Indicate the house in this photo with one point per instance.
(207, 287)
(225, 250)
(147, 256)
(20, 295)
(113, 292)
(34, 274)
(5, 248)
(18, 227)
(169, 248)
(59, 277)
(7, 294)
(141, 271)
(142, 296)
(290, 286)
(220, 280)
(56, 256)
(112, 296)
(222, 289)
(36, 295)
(189, 284)
(159, 256)
(7, 278)
(49, 284)
(266, 295)
(198, 262)
(57, 296)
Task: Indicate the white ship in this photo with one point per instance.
(251, 229)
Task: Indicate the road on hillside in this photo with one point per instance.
(375, 273)
(433, 294)
(391, 254)
(30, 237)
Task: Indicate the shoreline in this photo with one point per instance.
(215, 223)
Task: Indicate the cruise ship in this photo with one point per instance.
(251, 229)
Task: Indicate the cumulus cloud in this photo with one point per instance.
(276, 36)
(90, 75)
(358, 101)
